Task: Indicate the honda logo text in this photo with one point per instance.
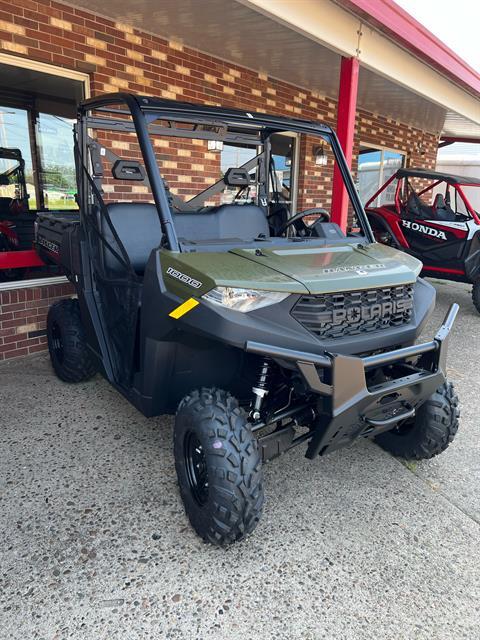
(421, 228)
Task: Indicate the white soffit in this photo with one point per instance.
(335, 28)
(300, 42)
(232, 32)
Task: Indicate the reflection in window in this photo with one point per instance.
(232, 156)
(283, 152)
(473, 196)
(55, 144)
(375, 167)
(14, 134)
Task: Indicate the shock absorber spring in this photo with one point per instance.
(260, 390)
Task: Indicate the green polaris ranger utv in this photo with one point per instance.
(204, 291)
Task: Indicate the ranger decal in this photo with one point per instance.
(361, 269)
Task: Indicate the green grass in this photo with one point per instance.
(62, 204)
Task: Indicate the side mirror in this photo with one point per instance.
(128, 170)
(236, 178)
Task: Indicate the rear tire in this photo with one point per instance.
(431, 430)
(67, 344)
(476, 294)
(219, 467)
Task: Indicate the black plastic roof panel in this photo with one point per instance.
(436, 175)
(173, 107)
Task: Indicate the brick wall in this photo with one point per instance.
(420, 146)
(187, 166)
(23, 318)
(119, 57)
(315, 188)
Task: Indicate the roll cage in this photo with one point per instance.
(208, 123)
(16, 173)
(405, 190)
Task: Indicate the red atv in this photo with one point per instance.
(13, 203)
(428, 215)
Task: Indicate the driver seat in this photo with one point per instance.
(138, 227)
(441, 209)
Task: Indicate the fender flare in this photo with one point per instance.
(472, 261)
(377, 220)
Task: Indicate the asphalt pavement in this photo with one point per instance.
(357, 545)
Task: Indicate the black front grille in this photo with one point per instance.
(335, 315)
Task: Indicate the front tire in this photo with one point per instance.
(476, 294)
(219, 467)
(431, 430)
(67, 344)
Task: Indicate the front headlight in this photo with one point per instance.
(243, 299)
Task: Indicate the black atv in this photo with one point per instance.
(257, 327)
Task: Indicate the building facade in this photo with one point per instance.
(53, 54)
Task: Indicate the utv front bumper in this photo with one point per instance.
(350, 407)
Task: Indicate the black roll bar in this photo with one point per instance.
(146, 147)
(169, 109)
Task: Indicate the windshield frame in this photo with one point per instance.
(144, 109)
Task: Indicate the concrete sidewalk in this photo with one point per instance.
(95, 543)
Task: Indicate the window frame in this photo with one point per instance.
(294, 168)
(52, 70)
(382, 149)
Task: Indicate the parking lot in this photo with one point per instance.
(95, 543)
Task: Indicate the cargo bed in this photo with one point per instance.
(57, 238)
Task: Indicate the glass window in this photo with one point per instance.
(236, 156)
(232, 156)
(369, 172)
(283, 157)
(282, 154)
(14, 134)
(194, 160)
(459, 204)
(473, 196)
(55, 146)
(36, 156)
(375, 167)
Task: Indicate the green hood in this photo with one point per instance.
(293, 269)
(339, 268)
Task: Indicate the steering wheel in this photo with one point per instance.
(297, 221)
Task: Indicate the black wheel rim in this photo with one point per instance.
(57, 343)
(196, 466)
